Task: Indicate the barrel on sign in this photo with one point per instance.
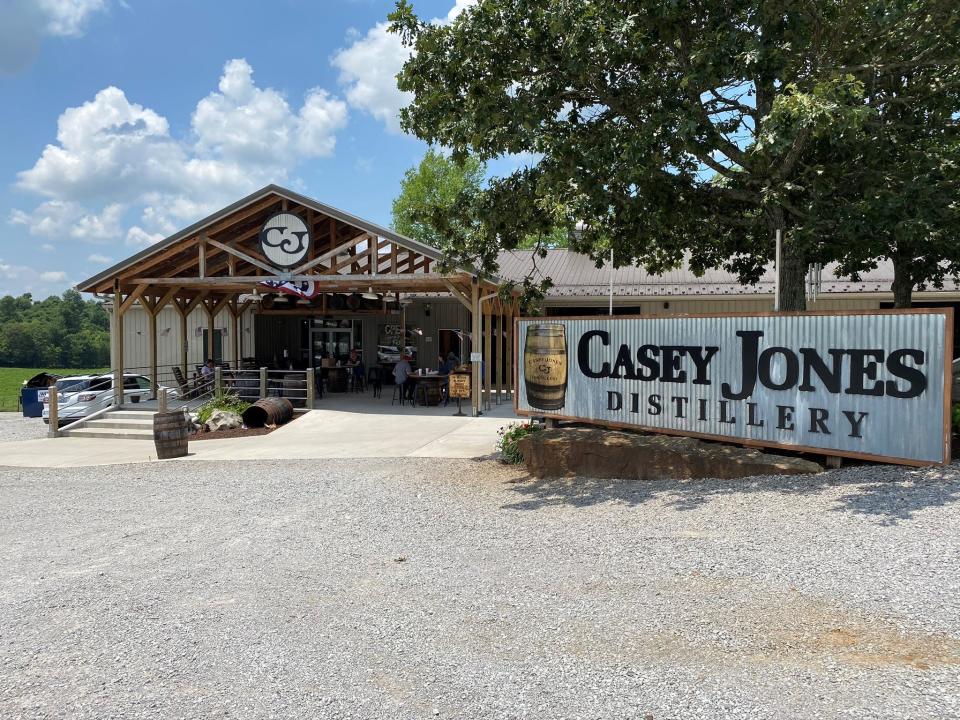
(170, 431)
(545, 366)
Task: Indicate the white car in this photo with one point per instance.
(83, 395)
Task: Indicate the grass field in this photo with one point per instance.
(11, 380)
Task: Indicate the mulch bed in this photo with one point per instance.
(239, 432)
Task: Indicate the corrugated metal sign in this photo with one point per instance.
(869, 384)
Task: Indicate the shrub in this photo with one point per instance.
(508, 444)
(956, 417)
(222, 400)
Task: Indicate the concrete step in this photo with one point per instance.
(119, 420)
(131, 414)
(112, 433)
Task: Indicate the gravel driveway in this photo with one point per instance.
(460, 589)
(14, 426)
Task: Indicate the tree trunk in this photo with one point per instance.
(902, 285)
(793, 274)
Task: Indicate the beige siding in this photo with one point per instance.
(136, 337)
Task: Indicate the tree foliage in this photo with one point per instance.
(59, 332)
(683, 132)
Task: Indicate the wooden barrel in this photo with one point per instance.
(295, 389)
(545, 366)
(268, 411)
(170, 433)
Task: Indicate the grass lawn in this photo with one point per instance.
(11, 380)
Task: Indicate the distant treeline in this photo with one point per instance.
(59, 332)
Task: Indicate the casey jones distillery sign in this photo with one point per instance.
(868, 384)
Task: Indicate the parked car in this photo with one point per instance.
(388, 354)
(83, 395)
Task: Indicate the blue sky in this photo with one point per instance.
(127, 120)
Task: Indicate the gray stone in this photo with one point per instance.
(223, 420)
(594, 452)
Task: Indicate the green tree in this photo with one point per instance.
(675, 132)
(432, 190)
(65, 331)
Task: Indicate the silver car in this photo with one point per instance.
(83, 395)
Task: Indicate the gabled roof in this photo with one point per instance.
(89, 284)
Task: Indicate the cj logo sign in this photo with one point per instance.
(285, 239)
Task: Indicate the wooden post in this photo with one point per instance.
(509, 363)
(498, 352)
(183, 337)
(235, 314)
(153, 351)
(311, 389)
(162, 400)
(211, 321)
(217, 379)
(487, 357)
(202, 256)
(263, 382)
(53, 407)
(118, 361)
(477, 332)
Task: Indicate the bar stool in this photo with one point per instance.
(397, 391)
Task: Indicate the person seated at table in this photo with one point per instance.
(444, 367)
(208, 368)
(356, 370)
(402, 372)
(453, 360)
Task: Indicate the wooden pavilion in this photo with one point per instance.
(221, 263)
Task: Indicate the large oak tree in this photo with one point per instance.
(674, 131)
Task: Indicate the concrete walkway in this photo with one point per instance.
(341, 427)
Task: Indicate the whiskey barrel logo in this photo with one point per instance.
(545, 366)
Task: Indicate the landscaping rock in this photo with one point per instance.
(593, 452)
(223, 420)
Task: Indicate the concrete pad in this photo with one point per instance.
(356, 426)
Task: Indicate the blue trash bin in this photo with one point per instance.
(31, 403)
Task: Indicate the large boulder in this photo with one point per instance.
(594, 452)
(223, 420)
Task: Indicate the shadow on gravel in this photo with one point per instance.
(889, 493)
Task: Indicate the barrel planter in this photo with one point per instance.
(268, 411)
(170, 433)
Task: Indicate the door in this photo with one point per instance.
(217, 346)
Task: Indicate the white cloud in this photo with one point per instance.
(61, 220)
(24, 23)
(47, 247)
(139, 237)
(67, 17)
(114, 157)
(369, 67)
(99, 259)
(18, 279)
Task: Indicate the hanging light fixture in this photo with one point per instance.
(370, 294)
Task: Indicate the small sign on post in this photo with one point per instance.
(459, 388)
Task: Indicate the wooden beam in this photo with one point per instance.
(242, 215)
(419, 280)
(132, 297)
(458, 294)
(165, 298)
(202, 256)
(160, 257)
(242, 255)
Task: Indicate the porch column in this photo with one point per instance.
(487, 355)
(475, 345)
(118, 347)
(498, 351)
(183, 339)
(509, 328)
(153, 351)
(211, 321)
(235, 313)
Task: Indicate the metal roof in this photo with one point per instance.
(576, 275)
(281, 192)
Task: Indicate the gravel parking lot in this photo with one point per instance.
(13, 426)
(461, 589)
